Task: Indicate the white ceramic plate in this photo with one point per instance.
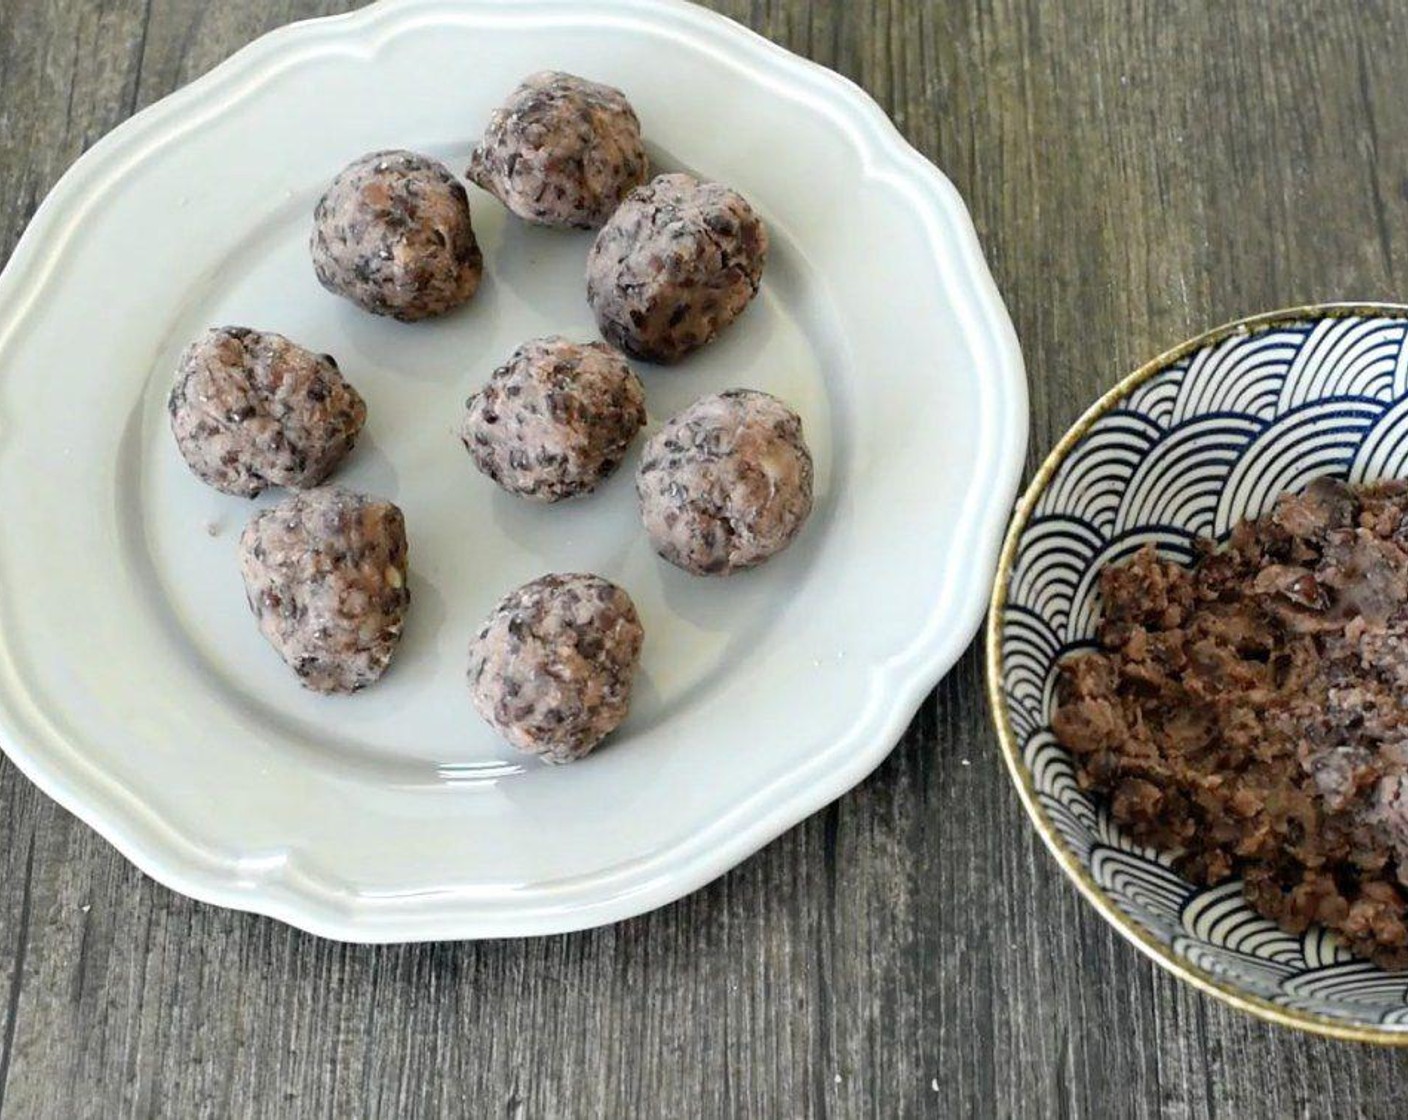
(134, 687)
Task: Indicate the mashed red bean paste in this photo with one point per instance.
(561, 151)
(325, 574)
(251, 410)
(551, 669)
(1250, 714)
(726, 483)
(555, 420)
(393, 235)
(676, 264)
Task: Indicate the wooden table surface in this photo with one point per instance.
(1138, 171)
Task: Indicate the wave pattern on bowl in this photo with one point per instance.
(1204, 442)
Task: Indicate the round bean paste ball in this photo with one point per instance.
(325, 573)
(551, 669)
(726, 483)
(675, 265)
(556, 420)
(250, 410)
(393, 235)
(561, 151)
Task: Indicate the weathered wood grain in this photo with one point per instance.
(1137, 172)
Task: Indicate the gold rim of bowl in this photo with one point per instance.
(1132, 931)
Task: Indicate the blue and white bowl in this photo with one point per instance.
(1200, 438)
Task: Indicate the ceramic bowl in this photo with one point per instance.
(1196, 440)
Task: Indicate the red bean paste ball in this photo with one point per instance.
(552, 667)
(676, 264)
(726, 483)
(325, 573)
(561, 151)
(393, 235)
(556, 419)
(251, 410)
